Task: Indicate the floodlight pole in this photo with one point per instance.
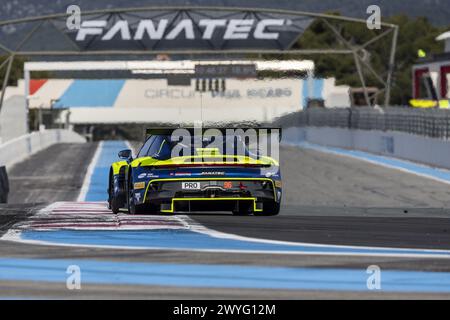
(361, 78)
(391, 67)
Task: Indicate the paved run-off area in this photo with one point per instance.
(329, 199)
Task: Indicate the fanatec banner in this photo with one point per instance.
(189, 29)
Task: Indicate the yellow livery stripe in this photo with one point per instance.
(171, 210)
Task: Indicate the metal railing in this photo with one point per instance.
(433, 123)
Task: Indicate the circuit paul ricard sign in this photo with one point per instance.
(160, 30)
(207, 30)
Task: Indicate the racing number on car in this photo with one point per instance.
(228, 185)
(190, 185)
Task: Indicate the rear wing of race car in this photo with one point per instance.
(228, 144)
(237, 131)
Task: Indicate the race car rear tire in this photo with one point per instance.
(270, 209)
(112, 200)
(133, 208)
(137, 208)
(113, 205)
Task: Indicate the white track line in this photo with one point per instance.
(89, 172)
(14, 236)
(197, 227)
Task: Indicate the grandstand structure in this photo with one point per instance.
(122, 47)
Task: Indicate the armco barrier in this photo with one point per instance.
(430, 151)
(20, 148)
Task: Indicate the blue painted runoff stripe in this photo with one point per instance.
(91, 93)
(415, 168)
(190, 240)
(220, 276)
(98, 186)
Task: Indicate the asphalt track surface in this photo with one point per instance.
(55, 174)
(327, 200)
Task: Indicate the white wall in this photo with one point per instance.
(22, 147)
(13, 118)
(18, 90)
(430, 151)
(335, 96)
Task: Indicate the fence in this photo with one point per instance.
(433, 123)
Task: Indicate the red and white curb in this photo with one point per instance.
(94, 216)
